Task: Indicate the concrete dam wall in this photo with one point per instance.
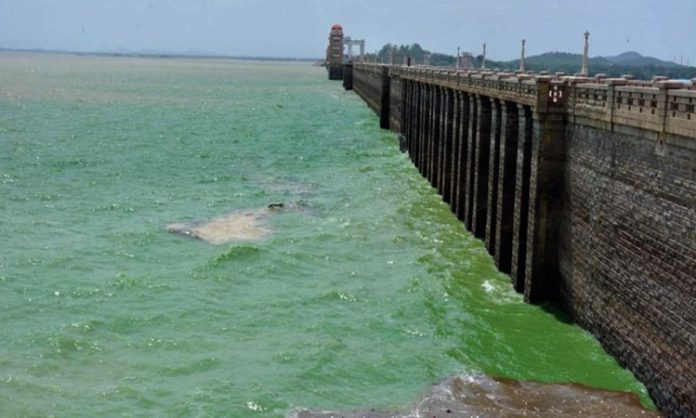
(584, 191)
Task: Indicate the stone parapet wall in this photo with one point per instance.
(660, 106)
(504, 86)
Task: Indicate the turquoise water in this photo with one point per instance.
(367, 291)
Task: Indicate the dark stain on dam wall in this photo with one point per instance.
(584, 191)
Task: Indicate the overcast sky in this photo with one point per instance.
(665, 29)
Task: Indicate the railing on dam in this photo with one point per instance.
(583, 190)
(662, 105)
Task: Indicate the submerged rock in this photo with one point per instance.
(483, 396)
(242, 226)
(247, 225)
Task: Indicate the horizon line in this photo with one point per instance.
(158, 54)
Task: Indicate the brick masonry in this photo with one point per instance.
(627, 257)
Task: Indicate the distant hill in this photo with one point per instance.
(630, 62)
(633, 58)
(626, 57)
(557, 61)
(629, 59)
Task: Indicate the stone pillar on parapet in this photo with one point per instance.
(584, 71)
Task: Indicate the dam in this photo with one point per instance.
(583, 190)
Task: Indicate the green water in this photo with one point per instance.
(364, 296)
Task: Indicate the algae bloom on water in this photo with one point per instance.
(367, 298)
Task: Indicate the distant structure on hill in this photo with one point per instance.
(466, 60)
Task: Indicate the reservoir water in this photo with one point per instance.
(365, 291)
